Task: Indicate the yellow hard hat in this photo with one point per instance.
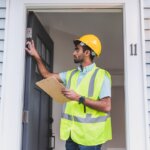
(91, 41)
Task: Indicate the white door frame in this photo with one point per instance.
(13, 72)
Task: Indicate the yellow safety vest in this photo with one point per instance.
(90, 128)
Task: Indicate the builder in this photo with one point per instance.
(85, 122)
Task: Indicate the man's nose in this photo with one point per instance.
(74, 53)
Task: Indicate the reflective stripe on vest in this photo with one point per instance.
(87, 119)
(69, 81)
(91, 85)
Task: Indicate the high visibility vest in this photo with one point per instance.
(90, 128)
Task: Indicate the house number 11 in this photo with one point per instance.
(133, 49)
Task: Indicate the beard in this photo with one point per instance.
(78, 60)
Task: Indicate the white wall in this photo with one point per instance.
(118, 118)
(108, 26)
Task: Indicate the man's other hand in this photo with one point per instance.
(70, 94)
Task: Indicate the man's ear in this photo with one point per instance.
(87, 53)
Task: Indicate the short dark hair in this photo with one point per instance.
(85, 47)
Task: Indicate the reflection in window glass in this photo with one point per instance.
(43, 52)
(38, 45)
(47, 66)
(47, 56)
(36, 70)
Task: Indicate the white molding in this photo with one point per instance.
(116, 148)
(134, 107)
(71, 4)
(13, 77)
(104, 10)
(125, 78)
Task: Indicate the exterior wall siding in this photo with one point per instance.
(147, 51)
(2, 39)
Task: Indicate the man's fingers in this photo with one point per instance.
(65, 92)
(32, 42)
(28, 45)
(67, 95)
(30, 48)
(27, 49)
(28, 42)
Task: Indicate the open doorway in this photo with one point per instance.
(107, 24)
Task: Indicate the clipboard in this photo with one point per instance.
(53, 88)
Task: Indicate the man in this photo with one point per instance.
(85, 122)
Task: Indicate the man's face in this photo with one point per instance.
(78, 54)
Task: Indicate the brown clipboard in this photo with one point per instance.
(53, 88)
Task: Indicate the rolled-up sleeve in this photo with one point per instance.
(62, 76)
(106, 88)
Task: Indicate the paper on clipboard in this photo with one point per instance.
(53, 88)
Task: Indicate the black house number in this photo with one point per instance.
(133, 49)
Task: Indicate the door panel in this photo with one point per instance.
(37, 132)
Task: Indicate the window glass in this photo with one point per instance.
(38, 45)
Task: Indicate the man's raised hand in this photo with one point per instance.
(30, 48)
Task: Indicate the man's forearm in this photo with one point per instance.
(103, 104)
(43, 70)
(41, 67)
(100, 105)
